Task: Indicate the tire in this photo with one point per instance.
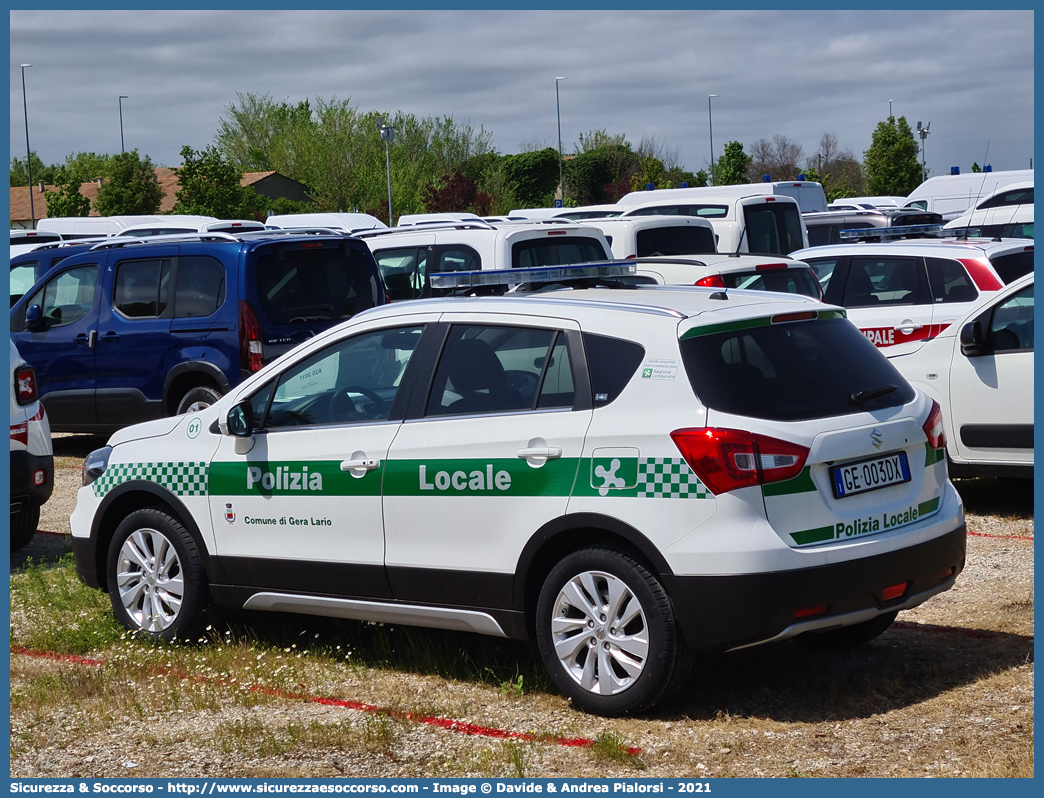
(156, 580)
(605, 669)
(850, 636)
(196, 399)
(23, 526)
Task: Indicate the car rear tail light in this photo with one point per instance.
(25, 385)
(893, 592)
(312, 245)
(251, 352)
(711, 281)
(20, 433)
(807, 612)
(769, 267)
(933, 427)
(770, 199)
(727, 459)
(557, 233)
(946, 574)
(805, 315)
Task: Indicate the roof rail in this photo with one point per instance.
(474, 224)
(296, 231)
(890, 232)
(123, 241)
(70, 242)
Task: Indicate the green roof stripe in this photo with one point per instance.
(746, 324)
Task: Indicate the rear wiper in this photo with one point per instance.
(861, 397)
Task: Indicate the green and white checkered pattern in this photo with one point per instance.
(181, 479)
(668, 478)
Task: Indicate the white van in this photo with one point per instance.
(96, 226)
(1007, 213)
(410, 219)
(808, 195)
(179, 225)
(866, 203)
(408, 255)
(758, 224)
(589, 212)
(332, 221)
(649, 236)
(952, 195)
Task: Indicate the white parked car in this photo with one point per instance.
(980, 370)
(1007, 213)
(407, 256)
(748, 272)
(645, 236)
(628, 476)
(910, 290)
(32, 460)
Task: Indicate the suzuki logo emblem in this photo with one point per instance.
(876, 438)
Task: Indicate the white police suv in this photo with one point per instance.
(627, 475)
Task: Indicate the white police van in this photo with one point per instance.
(628, 475)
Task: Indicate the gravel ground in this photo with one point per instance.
(948, 691)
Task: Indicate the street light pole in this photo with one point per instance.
(558, 105)
(122, 98)
(388, 134)
(28, 154)
(710, 122)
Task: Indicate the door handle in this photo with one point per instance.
(89, 338)
(907, 326)
(110, 336)
(546, 452)
(362, 465)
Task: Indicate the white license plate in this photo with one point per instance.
(878, 472)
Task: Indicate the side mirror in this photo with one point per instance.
(239, 422)
(973, 337)
(34, 320)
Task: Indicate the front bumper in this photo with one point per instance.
(24, 490)
(720, 613)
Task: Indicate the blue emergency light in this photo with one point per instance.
(955, 170)
(766, 178)
(543, 274)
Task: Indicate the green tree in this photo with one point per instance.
(891, 162)
(20, 175)
(86, 166)
(534, 175)
(976, 167)
(130, 186)
(731, 168)
(211, 186)
(67, 200)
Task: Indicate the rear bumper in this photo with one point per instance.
(24, 490)
(719, 613)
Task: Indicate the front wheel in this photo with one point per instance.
(156, 580)
(197, 399)
(607, 633)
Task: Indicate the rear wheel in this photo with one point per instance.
(23, 526)
(607, 633)
(850, 636)
(197, 398)
(156, 580)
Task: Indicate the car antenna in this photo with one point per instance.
(964, 236)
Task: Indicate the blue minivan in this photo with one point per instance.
(136, 329)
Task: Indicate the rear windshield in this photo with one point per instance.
(773, 229)
(556, 251)
(1013, 266)
(315, 284)
(675, 241)
(792, 371)
(788, 281)
(704, 211)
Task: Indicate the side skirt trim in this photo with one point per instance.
(381, 612)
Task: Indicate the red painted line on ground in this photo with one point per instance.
(1003, 537)
(460, 727)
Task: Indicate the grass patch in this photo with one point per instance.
(609, 746)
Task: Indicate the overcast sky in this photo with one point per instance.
(641, 73)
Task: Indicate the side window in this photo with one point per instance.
(457, 259)
(141, 288)
(1012, 324)
(949, 281)
(823, 269)
(882, 281)
(22, 278)
(200, 287)
(1011, 267)
(349, 382)
(501, 369)
(611, 362)
(404, 271)
(68, 297)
